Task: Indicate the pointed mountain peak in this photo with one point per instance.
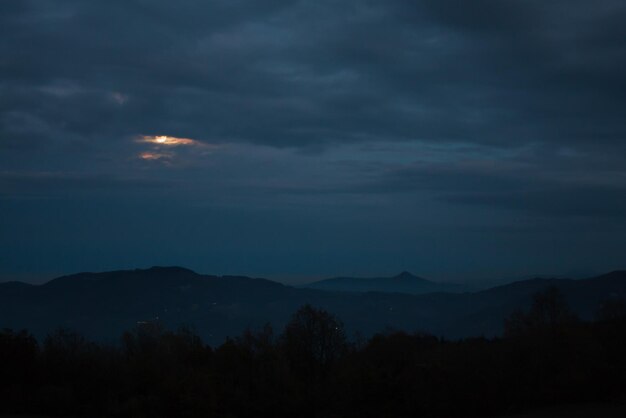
(405, 275)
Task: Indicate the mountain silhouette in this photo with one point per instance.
(404, 282)
(102, 305)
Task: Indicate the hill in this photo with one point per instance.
(102, 305)
(404, 282)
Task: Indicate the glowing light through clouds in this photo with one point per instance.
(169, 141)
(153, 156)
(162, 147)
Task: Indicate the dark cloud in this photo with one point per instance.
(297, 73)
(555, 202)
(415, 114)
(46, 185)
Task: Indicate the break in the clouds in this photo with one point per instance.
(167, 141)
(162, 147)
(329, 136)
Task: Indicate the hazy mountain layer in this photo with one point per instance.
(102, 305)
(404, 282)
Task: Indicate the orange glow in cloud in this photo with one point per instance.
(153, 156)
(162, 148)
(170, 141)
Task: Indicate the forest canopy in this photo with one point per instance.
(311, 369)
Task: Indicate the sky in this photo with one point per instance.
(462, 141)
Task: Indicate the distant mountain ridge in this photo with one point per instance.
(103, 305)
(404, 282)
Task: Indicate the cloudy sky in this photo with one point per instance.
(460, 140)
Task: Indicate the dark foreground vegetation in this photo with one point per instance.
(546, 357)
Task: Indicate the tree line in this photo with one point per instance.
(546, 356)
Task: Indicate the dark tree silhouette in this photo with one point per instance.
(19, 353)
(311, 371)
(313, 341)
(612, 310)
(548, 314)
